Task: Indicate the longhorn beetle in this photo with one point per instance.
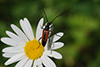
(46, 29)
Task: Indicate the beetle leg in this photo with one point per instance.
(58, 35)
(42, 27)
(50, 30)
(39, 40)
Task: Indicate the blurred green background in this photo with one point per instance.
(80, 24)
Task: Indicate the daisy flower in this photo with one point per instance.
(27, 50)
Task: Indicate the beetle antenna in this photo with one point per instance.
(44, 14)
(56, 17)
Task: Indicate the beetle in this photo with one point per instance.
(46, 29)
(45, 33)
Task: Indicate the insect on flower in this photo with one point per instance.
(25, 49)
(47, 28)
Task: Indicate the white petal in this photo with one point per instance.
(8, 55)
(39, 30)
(40, 65)
(13, 49)
(47, 53)
(38, 62)
(15, 58)
(27, 28)
(19, 32)
(57, 36)
(56, 55)
(57, 45)
(47, 61)
(34, 65)
(22, 62)
(28, 63)
(8, 41)
(15, 38)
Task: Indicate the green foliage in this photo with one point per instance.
(80, 24)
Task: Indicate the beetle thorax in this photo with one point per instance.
(47, 26)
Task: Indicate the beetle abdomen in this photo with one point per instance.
(45, 37)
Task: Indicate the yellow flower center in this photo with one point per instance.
(33, 49)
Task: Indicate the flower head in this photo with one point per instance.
(27, 49)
